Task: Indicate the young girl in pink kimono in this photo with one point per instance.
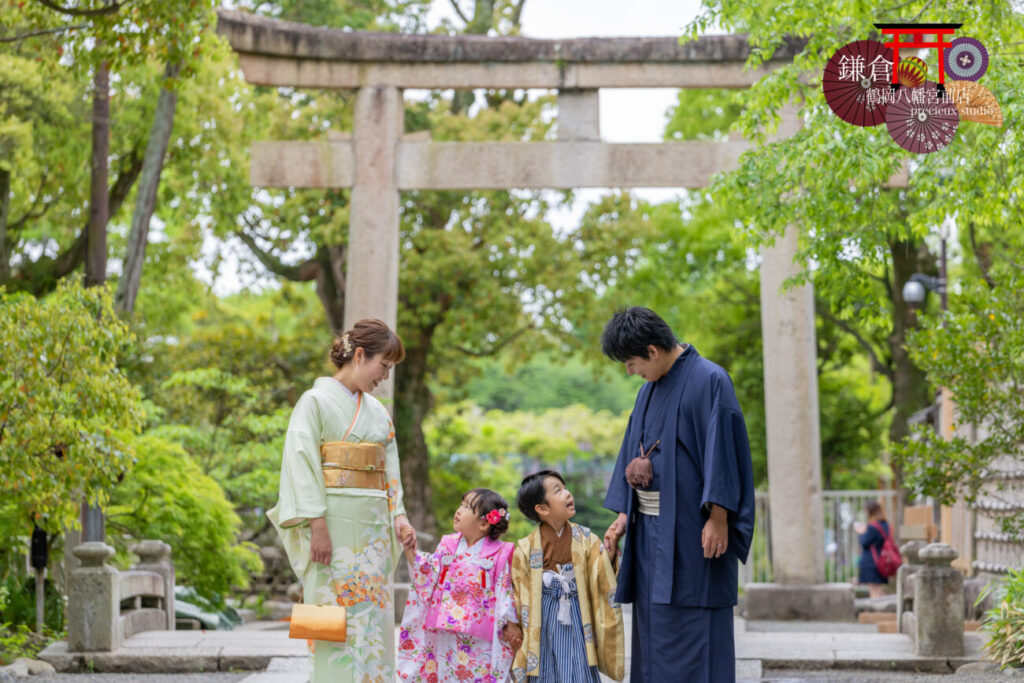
(460, 621)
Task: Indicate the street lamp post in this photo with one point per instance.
(915, 290)
(918, 285)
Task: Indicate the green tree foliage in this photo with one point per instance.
(223, 387)
(828, 181)
(471, 448)
(167, 496)
(67, 412)
(548, 381)
(977, 352)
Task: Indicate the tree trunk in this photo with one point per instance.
(481, 22)
(149, 182)
(909, 384)
(330, 285)
(96, 238)
(412, 404)
(5, 204)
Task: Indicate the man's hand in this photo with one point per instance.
(513, 635)
(715, 537)
(405, 533)
(614, 533)
(320, 544)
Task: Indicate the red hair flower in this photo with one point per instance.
(496, 515)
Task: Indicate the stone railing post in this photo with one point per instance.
(904, 597)
(94, 601)
(939, 603)
(155, 556)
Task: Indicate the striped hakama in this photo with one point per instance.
(563, 654)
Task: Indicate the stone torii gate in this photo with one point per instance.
(377, 163)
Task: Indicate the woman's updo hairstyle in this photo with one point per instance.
(373, 337)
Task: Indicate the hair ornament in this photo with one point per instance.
(346, 343)
(496, 515)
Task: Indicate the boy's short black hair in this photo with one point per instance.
(485, 500)
(630, 331)
(531, 492)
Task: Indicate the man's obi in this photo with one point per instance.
(353, 465)
(649, 502)
(464, 597)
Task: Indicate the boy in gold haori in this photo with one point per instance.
(564, 586)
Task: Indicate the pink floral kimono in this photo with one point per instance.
(461, 599)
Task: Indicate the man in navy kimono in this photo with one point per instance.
(684, 490)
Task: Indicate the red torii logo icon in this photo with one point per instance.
(918, 33)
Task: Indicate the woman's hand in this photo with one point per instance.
(320, 545)
(513, 635)
(860, 527)
(405, 533)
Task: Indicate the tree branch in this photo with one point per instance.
(501, 343)
(517, 14)
(300, 273)
(41, 32)
(984, 262)
(112, 8)
(458, 10)
(35, 212)
(876, 362)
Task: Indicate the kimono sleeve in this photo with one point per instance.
(726, 467)
(617, 498)
(424, 574)
(609, 638)
(302, 495)
(393, 472)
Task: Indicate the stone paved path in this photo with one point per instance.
(767, 652)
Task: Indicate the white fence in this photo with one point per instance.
(842, 509)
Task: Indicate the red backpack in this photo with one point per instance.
(888, 559)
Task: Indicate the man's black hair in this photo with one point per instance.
(631, 330)
(531, 492)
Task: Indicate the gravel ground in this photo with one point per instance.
(146, 678)
(878, 677)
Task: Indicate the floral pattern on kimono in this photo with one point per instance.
(360, 523)
(450, 653)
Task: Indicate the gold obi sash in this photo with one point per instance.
(353, 465)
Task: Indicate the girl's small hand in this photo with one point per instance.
(860, 527)
(405, 533)
(513, 635)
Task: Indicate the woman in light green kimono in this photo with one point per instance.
(343, 541)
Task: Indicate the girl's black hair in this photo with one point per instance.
(631, 330)
(872, 507)
(531, 493)
(485, 500)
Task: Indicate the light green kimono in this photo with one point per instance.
(361, 525)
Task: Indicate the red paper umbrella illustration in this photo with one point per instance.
(856, 82)
(920, 121)
(911, 72)
(966, 59)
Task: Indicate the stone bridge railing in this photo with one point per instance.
(106, 606)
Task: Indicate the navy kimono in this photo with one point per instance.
(682, 601)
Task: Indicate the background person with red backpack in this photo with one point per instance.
(877, 546)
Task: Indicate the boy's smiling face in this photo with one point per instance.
(558, 506)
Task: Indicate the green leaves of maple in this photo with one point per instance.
(67, 413)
